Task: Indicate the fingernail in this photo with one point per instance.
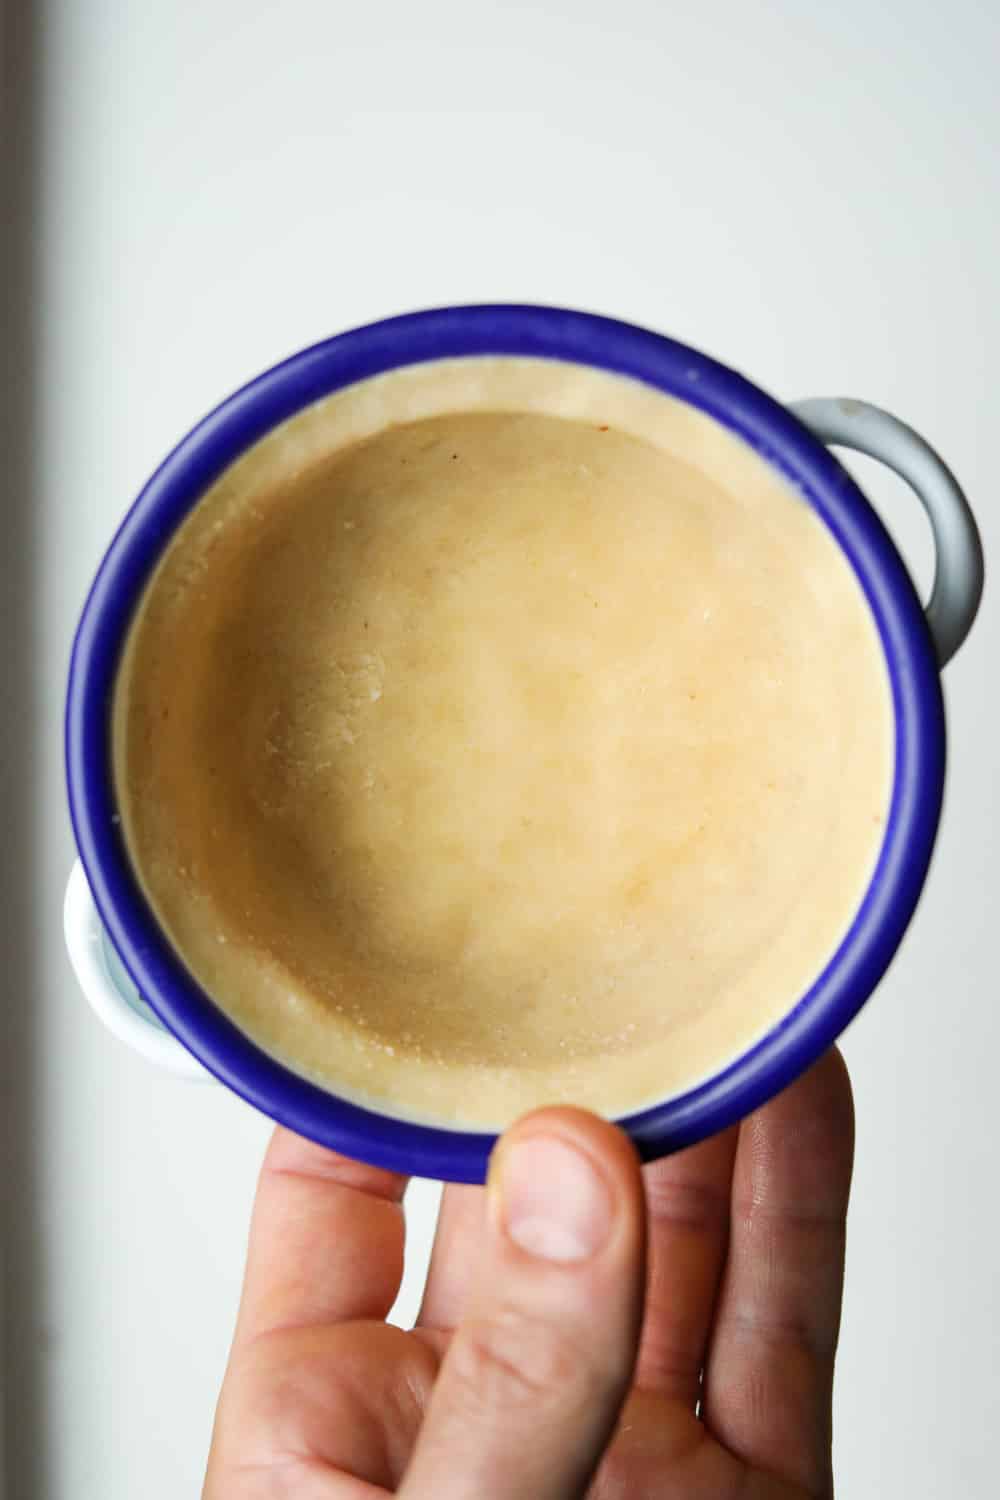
(553, 1201)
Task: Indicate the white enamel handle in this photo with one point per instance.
(958, 570)
(110, 991)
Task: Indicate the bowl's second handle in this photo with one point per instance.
(112, 996)
(958, 570)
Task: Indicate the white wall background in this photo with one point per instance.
(197, 188)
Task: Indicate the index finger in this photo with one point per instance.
(769, 1370)
(326, 1240)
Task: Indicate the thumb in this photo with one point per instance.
(534, 1379)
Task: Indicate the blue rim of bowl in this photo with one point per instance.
(551, 333)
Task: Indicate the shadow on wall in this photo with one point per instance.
(23, 1441)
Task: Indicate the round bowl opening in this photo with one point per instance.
(538, 333)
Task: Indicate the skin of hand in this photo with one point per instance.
(588, 1328)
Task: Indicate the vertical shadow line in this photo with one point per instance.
(26, 1461)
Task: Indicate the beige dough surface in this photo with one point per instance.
(499, 732)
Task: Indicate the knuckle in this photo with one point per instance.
(509, 1360)
(692, 1206)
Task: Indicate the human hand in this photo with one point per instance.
(699, 1370)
